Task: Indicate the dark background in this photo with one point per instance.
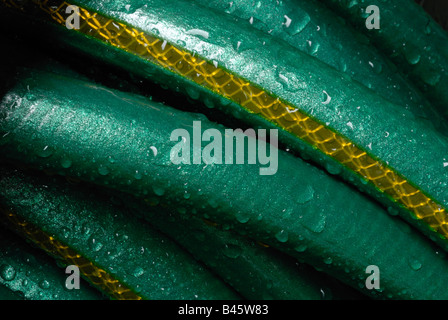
(438, 9)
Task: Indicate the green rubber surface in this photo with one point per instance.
(385, 130)
(110, 137)
(253, 270)
(26, 273)
(313, 29)
(142, 259)
(412, 40)
(389, 132)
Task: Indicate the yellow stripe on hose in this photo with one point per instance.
(257, 100)
(97, 276)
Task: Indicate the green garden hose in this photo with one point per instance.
(253, 270)
(27, 274)
(372, 143)
(119, 255)
(410, 37)
(313, 29)
(122, 141)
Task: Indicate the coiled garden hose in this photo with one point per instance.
(410, 38)
(253, 270)
(121, 141)
(372, 143)
(116, 253)
(313, 29)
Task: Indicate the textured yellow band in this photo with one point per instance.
(257, 100)
(97, 276)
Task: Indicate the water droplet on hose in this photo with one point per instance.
(392, 211)
(7, 272)
(298, 24)
(137, 175)
(242, 217)
(412, 55)
(44, 284)
(103, 170)
(282, 236)
(333, 168)
(66, 163)
(138, 272)
(306, 195)
(159, 191)
(301, 248)
(45, 152)
(193, 93)
(95, 244)
(290, 81)
(232, 251)
(415, 264)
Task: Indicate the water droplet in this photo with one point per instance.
(45, 152)
(298, 24)
(103, 170)
(412, 55)
(65, 232)
(333, 168)
(44, 284)
(7, 272)
(232, 251)
(66, 163)
(242, 217)
(192, 92)
(240, 46)
(306, 195)
(198, 32)
(325, 97)
(86, 229)
(301, 247)
(313, 47)
(431, 77)
(154, 150)
(159, 191)
(377, 67)
(287, 22)
(315, 223)
(121, 236)
(213, 203)
(209, 103)
(138, 272)
(282, 236)
(94, 244)
(290, 82)
(137, 175)
(415, 264)
(392, 211)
